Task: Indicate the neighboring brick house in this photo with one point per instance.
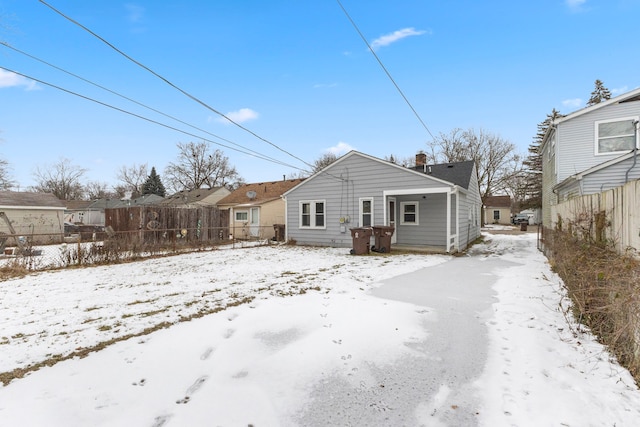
(497, 210)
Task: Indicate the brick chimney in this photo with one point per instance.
(421, 159)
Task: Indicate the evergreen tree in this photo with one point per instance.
(153, 184)
(599, 94)
(533, 165)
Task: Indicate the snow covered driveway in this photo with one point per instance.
(308, 336)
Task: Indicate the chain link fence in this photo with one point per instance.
(105, 246)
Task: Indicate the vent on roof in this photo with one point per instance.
(251, 194)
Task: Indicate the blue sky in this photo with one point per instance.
(296, 74)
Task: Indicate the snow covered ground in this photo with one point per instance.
(281, 335)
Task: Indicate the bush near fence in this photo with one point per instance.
(603, 283)
(111, 247)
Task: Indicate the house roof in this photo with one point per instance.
(186, 197)
(27, 199)
(498, 202)
(458, 173)
(633, 95)
(264, 192)
(145, 200)
(448, 173)
(596, 168)
(76, 205)
(104, 204)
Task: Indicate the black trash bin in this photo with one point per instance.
(278, 232)
(382, 234)
(523, 226)
(361, 240)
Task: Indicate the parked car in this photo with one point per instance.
(70, 229)
(520, 218)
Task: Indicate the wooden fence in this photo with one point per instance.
(205, 223)
(613, 215)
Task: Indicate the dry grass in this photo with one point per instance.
(604, 287)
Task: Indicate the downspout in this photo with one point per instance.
(635, 153)
(286, 217)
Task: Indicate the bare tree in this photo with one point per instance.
(495, 158)
(132, 178)
(63, 179)
(98, 190)
(325, 160)
(6, 181)
(406, 162)
(197, 167)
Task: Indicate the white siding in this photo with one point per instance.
(357, 176)
(576, 138)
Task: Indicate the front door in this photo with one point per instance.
(254, 222)
(391, 215)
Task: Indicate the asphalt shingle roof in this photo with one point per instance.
(458, 173)
(264, 191)
(28, 199)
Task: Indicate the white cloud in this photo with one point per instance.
(340, 148)
(619, 91)
(240, 116)
(575, 102)
(135, 13)
(9, 79)
(575, 5)
(387, 39)
(324, 85)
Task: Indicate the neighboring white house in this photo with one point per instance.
(591, 150)
(37, 216)
(434, 206)
(497, 210)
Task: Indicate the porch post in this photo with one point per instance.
(448, 246)
(457, 241)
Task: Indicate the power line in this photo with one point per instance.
(262, 156)
(385, 69)
(173, 85)
(146, 118)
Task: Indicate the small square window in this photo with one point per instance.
(409, 213)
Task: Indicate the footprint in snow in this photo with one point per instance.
(192, 389)
(206, 354)
(229, 333)
(161, 420)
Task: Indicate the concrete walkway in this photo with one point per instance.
(458, 296)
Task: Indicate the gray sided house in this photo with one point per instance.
(38, 216)
(430, 206)
(591, 150)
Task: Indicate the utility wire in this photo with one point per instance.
(145, 118)
(385, 69)
(138, 103)
(173, 85)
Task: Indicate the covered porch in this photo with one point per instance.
(425, 219)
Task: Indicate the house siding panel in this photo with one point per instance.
(340, 187)
(611, 177)
(577, 151)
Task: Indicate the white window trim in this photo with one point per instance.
(361, 213)
(312, 213)
(618, 119)
(402, 205)
(235, 216)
